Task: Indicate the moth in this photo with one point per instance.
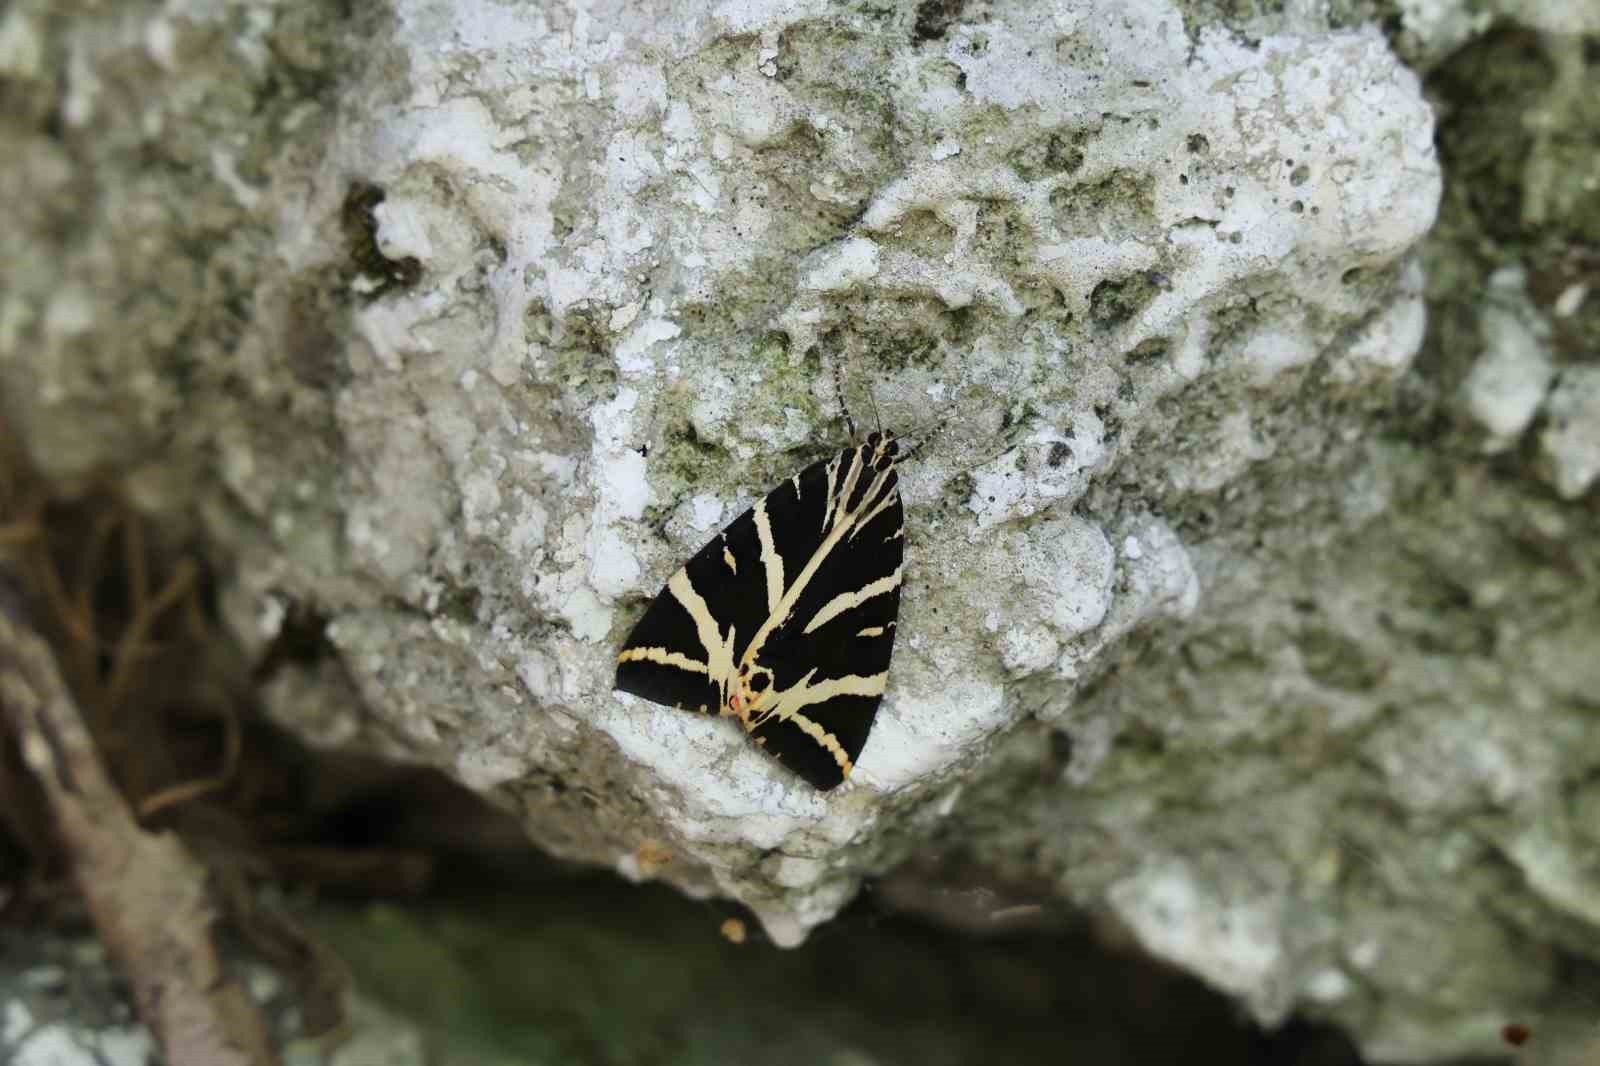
(785, 621)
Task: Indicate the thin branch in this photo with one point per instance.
(147, 895)
(174, 795)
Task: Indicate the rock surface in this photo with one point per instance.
(460, 326)
(63, 1003)
(60, 1005)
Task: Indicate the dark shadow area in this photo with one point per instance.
(587, 968)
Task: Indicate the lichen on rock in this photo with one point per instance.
(473, 352)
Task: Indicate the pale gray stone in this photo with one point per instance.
(464, 324)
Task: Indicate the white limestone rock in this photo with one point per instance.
(472, 360)
(1123, 186)
(1571, 440)
(1510, 379)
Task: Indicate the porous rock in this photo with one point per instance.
(464, 358)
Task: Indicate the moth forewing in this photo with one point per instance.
(786, 619)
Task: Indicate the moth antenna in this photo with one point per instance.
(911, 452)
(844, 408)
(873, 403)
(941, 423)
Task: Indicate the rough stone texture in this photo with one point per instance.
(63, 1004)
(459, 325)
(1432, 29)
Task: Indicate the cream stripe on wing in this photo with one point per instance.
(828, 501)
(846, 600)
(719, 654)
(889, 496)
(770, 559)
(664, 657)
(841, 527)
(804, 694)
(853, 475)
(811, 728)
(829, 742)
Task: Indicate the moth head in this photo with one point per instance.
(750, 693)
(884, 448)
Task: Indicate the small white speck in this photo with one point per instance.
(1571, 299)
(20, 52)
(70, 313)
(224, 169)
(46, 977)
(469, 380)
(945, 149)
(264, 985)
(844, 266)
(623, 316)
(1328, 986)
(269, 621)
(590, 619)
(705, 511)
(1365, 954)
(1132, 548)
(160, 43)
(17, 1023)
(768, 52)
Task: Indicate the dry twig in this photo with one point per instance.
(148, 897)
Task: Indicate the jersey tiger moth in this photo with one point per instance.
(786, 619)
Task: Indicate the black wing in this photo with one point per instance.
(812, 573)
